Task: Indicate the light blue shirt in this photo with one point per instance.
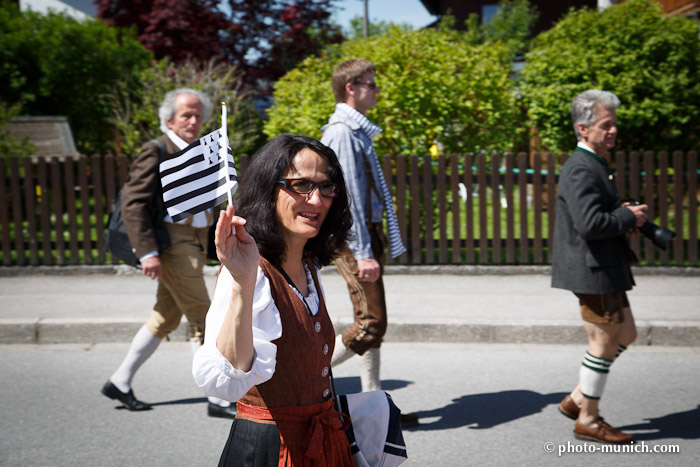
(350, 134)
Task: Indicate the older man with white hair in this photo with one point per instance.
(592, 258)
(178, 266)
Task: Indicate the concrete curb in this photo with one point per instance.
(91, 331)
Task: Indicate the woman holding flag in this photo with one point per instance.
(269, 339)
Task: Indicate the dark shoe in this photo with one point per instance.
(128, 399)
(214, 410)
(602, 432)
(569, 408)
(409, 420)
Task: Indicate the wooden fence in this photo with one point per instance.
(455, 209)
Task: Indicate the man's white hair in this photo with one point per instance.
(584, 108)
(167, 108)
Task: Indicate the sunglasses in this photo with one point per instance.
(305, 187)
(372, 85)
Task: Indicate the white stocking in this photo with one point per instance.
(369, 374)
(142, 347)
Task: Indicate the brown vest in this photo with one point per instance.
(303, 352)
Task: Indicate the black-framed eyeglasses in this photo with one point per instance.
(303, 186)
(372, 85)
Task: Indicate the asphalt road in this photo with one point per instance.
(480, 404)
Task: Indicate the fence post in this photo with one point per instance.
(693, 208)
(415, 212)
(678, 190)
(649, 200)
(537, 205)
(456, 237)
(510, 217)
(469, 208)
(496, 208)
(57, 191)
(401, 202)
(522, 190)
(442, 210)
(483, 233)
(4, 216)
(428, 208)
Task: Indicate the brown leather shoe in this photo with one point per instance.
(569, 408)
(602, 432)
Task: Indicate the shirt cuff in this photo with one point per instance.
(150, 254)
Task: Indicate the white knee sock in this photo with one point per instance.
(341, 353)
(142, 346)
(620, 348)
(594, 372)
(369, 374)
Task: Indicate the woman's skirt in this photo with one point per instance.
(304, 436)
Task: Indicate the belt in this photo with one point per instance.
(320, 417)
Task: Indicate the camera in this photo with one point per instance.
(659, 236)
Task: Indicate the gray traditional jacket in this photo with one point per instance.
(591, 254)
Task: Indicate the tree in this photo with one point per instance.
(178, 29)
(55, 65)
(356, 30)
(136, 113)
(512, 25)
(433, 87)
(270, 37)
(651, 62)
(263, 39)
(11, 145)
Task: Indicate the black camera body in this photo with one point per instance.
(659, 236)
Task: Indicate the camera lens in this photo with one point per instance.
(659, 236)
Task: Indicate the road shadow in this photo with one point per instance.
(352, 384)
(683, 425)
(192, 400)
(482, 411)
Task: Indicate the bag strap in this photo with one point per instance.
(161, 146)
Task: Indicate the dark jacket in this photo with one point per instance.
(591, 254)
(142, 197)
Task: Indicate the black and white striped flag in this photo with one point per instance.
(195, 179)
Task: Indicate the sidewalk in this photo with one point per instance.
(469, 304)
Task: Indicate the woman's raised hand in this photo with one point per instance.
(235, 248)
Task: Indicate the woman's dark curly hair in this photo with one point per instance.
(257, 195)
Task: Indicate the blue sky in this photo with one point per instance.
(398, 11)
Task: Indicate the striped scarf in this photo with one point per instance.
(396, 246)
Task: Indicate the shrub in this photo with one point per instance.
(631, 49)
(136, 113)
(434, 87)
(56, 65)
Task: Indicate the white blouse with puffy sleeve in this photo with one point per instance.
(212, 372)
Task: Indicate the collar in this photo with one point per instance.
(179, 142)
(586, 149)
(347, 113)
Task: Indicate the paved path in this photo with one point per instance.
(480, 405)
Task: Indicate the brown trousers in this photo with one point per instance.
(182, 290)
(369, 304)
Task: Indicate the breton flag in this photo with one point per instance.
(201, 176)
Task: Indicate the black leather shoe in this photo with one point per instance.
(128, 398)
(214, 410)
(409, 420)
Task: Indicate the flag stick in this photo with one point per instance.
(223, 153)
